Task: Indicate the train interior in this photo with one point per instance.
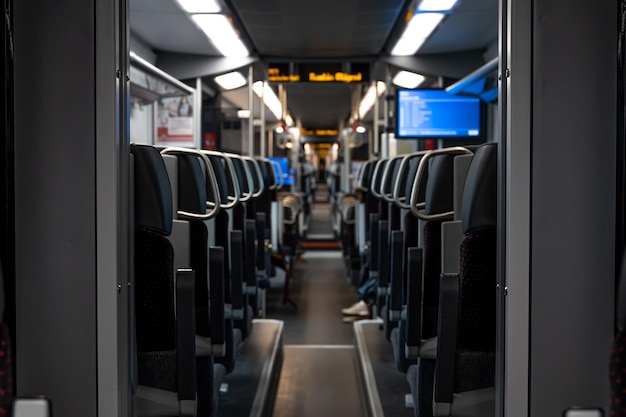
(238, 208)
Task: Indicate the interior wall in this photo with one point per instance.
(573, 204)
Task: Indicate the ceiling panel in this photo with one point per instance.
(320, 105)
(165, 27)
(320, 30)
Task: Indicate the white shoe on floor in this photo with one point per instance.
(360, 309)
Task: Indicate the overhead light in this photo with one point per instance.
(200, 6)
(370, 97)
(243, 114)
(265, 92)
(436, 5)
(416, 32)
(231, 80)
(280, 129)
(359, 128)
(219, 30)
(407, 79)
(289, 120)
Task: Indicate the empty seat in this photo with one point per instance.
(172, 379)
(6, 366)
(618, 351)
(465, 360)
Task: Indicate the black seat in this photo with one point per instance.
(217, 336)
(424, 268)
(6, 367)
(465, 364)
(164, 307)
(618, 351)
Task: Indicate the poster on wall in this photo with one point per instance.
(175, 121)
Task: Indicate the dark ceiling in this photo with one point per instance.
(324, 30)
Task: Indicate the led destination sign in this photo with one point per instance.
(319, 132)
(335, 72)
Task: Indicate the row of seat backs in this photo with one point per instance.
(465, 359)
(154, 214)
(438, 197)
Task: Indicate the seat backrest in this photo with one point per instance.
(476, 334)
(154, 256)
(439, 199)
(617, 367)
(154, 263)
(192, 198)
(6, 367)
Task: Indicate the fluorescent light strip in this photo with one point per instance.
(416, 32)
(406, 79)
(231, 80)
(200, 6)
(436, 5)
(368, 100)
(262, 89)
(221, 33)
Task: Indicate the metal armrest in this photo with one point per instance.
(216, 308)
(260, 247)
(383, 261)
(249, 257)
(396, 294)
(236, 274)
(185, 335)
(374, 243)
(414, 303)
(446, 347)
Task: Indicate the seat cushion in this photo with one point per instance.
(421, 378)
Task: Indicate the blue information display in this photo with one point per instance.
(287, 173)
(436, 114)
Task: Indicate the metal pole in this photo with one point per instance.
(270, 148)
(251, 107)
(197, 114)
(263, 151)
(345, 167)
(376, 147)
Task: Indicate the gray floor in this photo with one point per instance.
(391, 383)
(250, 371)
(321, 220)
(319, 381)
(320, 290)
(319, 376)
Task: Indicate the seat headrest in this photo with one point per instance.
(375, 183)
(153, 193)
(240, 170)
(410, 178)
(368, 170)
(256, 181)
(392, 174)
(479, 207)
(221, 178)
(440, 185)
(268, 172)
(191, 188)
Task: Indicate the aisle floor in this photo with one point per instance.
(319, 381)
(319, 376)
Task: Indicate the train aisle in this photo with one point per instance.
(319, 375)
